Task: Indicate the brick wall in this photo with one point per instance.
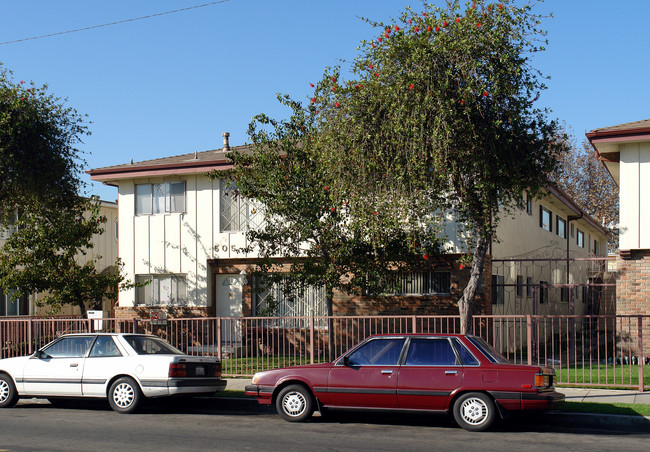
(633, 294)
(633, 283)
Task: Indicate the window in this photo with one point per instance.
(529, 205)
(236, 212)
(560, 227)
(430, 352)
(273, 301)
(543, 292)
(564, 294)
(595, 247)
(529, 286)
(545, 219)
(466, 356)
(12, 306)
(581, 239)
(161, 290)
(377, 352)
(497, 289)
(104, 347)
(424, 283)
(520, 286)
(159, 198)
(146, 345)
(70, 347)
(573, 232)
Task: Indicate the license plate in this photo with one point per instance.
(200, 371)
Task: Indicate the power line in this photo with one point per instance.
(114, 23)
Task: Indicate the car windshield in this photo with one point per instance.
(147, 345)
(489, 351)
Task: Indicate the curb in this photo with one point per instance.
(614, 422)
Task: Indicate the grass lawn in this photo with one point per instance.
(603, 375)
(248, 366)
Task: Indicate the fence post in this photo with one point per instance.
(414, 324)
(30, 325)
(640, 353)
(219, 345)
(311, 339)
(529, 338)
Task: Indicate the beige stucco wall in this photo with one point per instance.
(538, 254)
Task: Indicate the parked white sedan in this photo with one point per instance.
(121, 367)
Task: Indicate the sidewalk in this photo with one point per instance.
(605, 395)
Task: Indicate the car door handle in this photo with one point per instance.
(451, 372)
(387, 372)
(74, 365)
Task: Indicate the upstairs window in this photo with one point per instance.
(560, 227)
(581, 239)
(236, 212)
(545, 219)
(152, 199)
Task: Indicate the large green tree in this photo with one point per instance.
(307, 221)
(441, 105)
(51, 225)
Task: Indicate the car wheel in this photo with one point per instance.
(124, 396)
(295, 403)
(8, 393)
(474, 411)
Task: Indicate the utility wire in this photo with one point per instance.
(114, 23)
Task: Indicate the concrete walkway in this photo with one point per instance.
(572, 394)
(605, 395)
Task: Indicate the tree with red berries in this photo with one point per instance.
(439, 114)
(309, 236)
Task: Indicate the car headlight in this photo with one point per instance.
(256, 377)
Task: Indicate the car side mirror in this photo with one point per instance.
(346, 361)
(39, 354)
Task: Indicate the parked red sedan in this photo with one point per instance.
(417, 372)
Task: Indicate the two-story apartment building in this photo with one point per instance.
(104, 246)
(624, 149)
(182, 232)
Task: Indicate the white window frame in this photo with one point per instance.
(161, 290)
(164, 197)
(546, 225)
(561, 232)
(580, 240)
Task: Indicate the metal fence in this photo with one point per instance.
(603, 351)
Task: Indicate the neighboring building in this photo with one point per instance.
(104, 245)
(181, 232)
(531, 272)
(624, 149)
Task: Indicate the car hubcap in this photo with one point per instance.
(474, 411)
(294, 403)
(123, 395)
(4, 390)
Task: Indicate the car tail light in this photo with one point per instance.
(217, 370)
(177, 370)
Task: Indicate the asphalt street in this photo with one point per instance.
(216, 425)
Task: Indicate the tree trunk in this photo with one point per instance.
(465, 304)
(329, 297)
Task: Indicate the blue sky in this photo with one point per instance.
(171, 84)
